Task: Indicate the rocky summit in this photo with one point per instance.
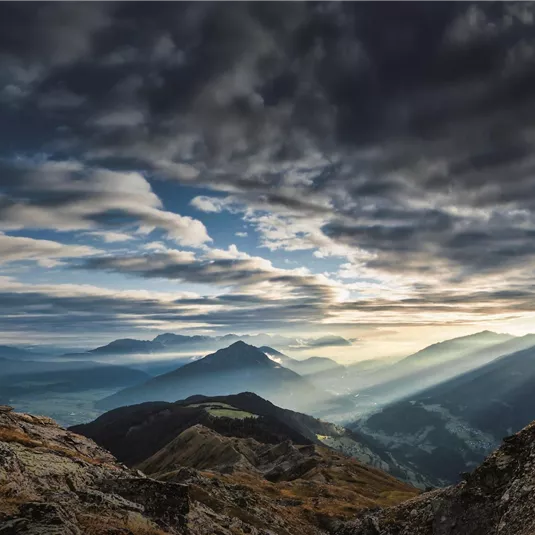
(54, 482)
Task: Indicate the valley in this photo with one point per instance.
(427, 437)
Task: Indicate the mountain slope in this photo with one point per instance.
(428, 367)
(277, 356)
(457, 347)
(226, 371)
(420, 379)
(496, 498)
(449, 428)
(26, 377)
(437, 362)
(308, 366)
(55, 482)
(496, 398)
(317, 483)
(317, 366)
(134, 433)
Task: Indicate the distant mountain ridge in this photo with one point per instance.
(306, 366)
(14, 352)
(170, 341)
(455, 348)
(422, 370)
(130, 345)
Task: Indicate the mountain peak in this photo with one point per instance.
(241, 343)
(237, 355)
(486, 332)
(226, 371)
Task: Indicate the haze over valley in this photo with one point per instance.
(426, 417)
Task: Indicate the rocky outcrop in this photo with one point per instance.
(498, 498)
(54, 482)
(203, 449)
(283, 488)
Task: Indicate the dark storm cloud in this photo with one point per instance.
(425, 239)
(406, 126)
(234, 67)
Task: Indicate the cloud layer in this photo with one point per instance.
(394, 139)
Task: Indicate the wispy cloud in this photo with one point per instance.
(46, 253)
(67, 195)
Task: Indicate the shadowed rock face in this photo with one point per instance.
(54, 482)
(498, 498)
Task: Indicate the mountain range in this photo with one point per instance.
(450, 427)
(318, 385)
(169, 341)
(436, 363)
(435, 413)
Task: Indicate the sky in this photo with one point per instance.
(362, 169)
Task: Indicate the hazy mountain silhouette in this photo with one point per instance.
(170, 339)
(168, 342)
(427, 367)
(226, 371)
(25, 377)
(129, 345)
(13, 352)
(310, 365)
